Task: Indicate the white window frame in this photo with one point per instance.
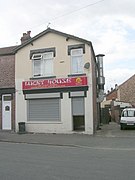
(38, 58)
(43, 59)
(77, 53)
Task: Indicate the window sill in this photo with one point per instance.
(45, 77)
(73, 75)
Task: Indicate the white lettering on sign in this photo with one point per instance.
(54, 83)
(59, 81)
(34, 83)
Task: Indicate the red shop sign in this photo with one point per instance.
(55, 83)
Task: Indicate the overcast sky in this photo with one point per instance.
(108, 24)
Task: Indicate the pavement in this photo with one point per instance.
(109, 136)
(113, 130)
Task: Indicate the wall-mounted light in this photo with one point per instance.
(87, 65)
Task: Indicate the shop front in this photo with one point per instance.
(57, 105)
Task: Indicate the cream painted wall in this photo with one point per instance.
(66, 112)
(23, 71)
(21, 106)
(23, 68)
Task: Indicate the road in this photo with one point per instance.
(19, 161)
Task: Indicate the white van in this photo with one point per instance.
(127, 118)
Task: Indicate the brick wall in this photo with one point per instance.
(127, 90)
(112, 95)
(7, 71)
(7, 82)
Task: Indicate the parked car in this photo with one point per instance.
(127, 118)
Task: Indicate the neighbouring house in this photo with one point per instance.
(112, 94)
(7, 85)
(7, 88)
(56, 83)
(120, 97)
(124, 92)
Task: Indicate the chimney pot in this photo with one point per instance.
(116, 86)
(28, 32)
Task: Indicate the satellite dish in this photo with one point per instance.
(87, 65)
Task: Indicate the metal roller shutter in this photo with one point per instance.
(44, 109)
(78, 106)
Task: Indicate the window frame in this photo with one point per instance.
(42, 61)
(72, 59)
(34, 59)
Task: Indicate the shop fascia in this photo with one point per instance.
(57, 82)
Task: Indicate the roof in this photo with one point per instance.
(7, 50)
(48, 30)
(127, 81)
(111, 92)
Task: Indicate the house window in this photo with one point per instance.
(42, 64)
(77, 61)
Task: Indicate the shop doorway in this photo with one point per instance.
(78, 114)
(6, 112)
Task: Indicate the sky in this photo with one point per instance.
(108, 24)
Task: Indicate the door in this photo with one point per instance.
(78, 113)
(6, 112)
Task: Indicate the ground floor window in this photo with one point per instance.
(44, 109)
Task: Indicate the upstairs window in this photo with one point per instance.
(42, 64)
(77, 61)
(37, 64)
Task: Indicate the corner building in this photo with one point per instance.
(55, 79)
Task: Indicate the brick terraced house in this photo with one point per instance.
(7, 85)
(7, 88)
(125, 92)
(120, 97)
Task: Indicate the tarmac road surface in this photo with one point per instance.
(42, 162)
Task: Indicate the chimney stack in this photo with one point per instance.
(25, 37)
